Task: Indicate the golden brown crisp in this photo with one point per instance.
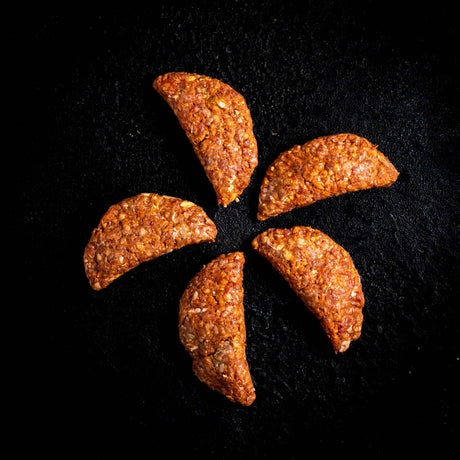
(322, 274)
(219, 126)
(212, 328)
(324, 167)
(141, 228)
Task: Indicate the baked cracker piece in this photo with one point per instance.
(322, 274)
(212, 327)
(141, 228)
(321, 168)
(219, 126)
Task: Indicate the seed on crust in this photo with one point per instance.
(212, 327)
(322, 274)
(219, 126)
(141, 228)
(321, 168)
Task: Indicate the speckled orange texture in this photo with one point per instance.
(324, 167)
(212, 327)
(219, 126)
(141, 228)
(322, 274)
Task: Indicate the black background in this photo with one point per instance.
(105, 371)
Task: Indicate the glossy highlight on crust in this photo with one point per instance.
(212, 327)
(322, 274)
(142, 228)
(218, 123)
(321, 168)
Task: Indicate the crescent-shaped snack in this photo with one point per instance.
(324, 167)
(219, 126)
(322, 274)
(141, 228)
(212, 327)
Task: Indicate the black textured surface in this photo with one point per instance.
(91, 131)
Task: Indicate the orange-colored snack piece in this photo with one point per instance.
(212, 327)
(141, 228)
(219, 126)
(321, 168)
(322, 274)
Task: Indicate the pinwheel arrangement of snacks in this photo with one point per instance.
(218, 123)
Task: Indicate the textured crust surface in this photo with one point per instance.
(141, 228)
(219, 126)
(324, 167)
(212, 328)
(322, 274)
